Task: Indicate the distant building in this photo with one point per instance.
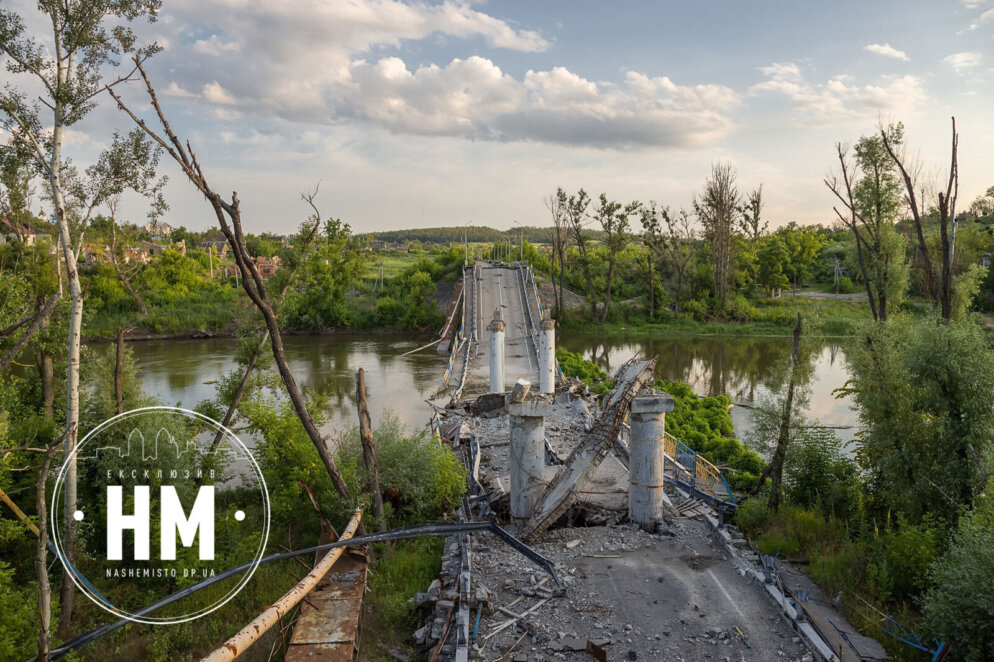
(158, 230)
(267, 266)
(220, 248)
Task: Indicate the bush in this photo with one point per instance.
(705, 425)
(574, 365)
(846, 285)
(959, 607)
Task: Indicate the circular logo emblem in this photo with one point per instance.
(165, 498)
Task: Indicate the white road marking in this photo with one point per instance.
(727, 595)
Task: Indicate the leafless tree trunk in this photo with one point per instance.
(236, 399)
(228, 214)
(368, 448)
(947, 218)
(783, 440)
(557, 205)
(41, 555)
(844, 192)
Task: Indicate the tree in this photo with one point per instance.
(576, 218)
(959, 606)
(85, 37)
(922, 390)
(718, 209)
(803, 247)
(558, 207)
(655, 246)
(613, 218)
(228, 215)
(772, 259)
(679, 252)
(983, 206)
(868, 189)
(892, 139)
(787, 424)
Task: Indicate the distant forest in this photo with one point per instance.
(474, 234)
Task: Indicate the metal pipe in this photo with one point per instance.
(395, 534)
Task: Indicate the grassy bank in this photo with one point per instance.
(767, 317)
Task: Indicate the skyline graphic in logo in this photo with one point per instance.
(169, 497)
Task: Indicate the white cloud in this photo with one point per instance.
(215, 46)
(985, 17)
(319, 62)
(474, 99)
(215, 93)
(174, 90)
(839, 100)
(963, 61)
(887, 51)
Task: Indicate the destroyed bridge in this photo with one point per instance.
(587, 531)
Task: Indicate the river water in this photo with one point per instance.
(179, 372)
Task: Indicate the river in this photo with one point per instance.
(180, 372)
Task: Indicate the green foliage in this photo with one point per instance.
(959, 607)
(18, 604)
(400, 571)
(922, 390)
(419, 479)
(333, 267)
(705, 425)
(574, 365)
(819, 475)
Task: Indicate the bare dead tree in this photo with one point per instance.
(309, 234)
(915, 197)
(228, 215)
(556, 204)
(369, 448)
(843, 190)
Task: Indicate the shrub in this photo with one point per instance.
(959, 607)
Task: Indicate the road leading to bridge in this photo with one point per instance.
(491, 288)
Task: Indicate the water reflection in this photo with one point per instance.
(743, 368)
(176, 371)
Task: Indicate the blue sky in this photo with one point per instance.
(417, 114)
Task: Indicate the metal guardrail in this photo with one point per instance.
(705, 475)
(530, 273)
(456, 342)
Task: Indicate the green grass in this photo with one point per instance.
(400, 570)
(768, 317)
(394, 263)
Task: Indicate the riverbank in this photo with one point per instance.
(822, 317)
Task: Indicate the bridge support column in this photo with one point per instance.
(527, 456)
(547, 358)
(645, 472)
(497, 354)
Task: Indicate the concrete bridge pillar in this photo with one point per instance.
(547, 358)
(645, 490)
(497, 354)
(527, 456)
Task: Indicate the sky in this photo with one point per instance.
(416, 114)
